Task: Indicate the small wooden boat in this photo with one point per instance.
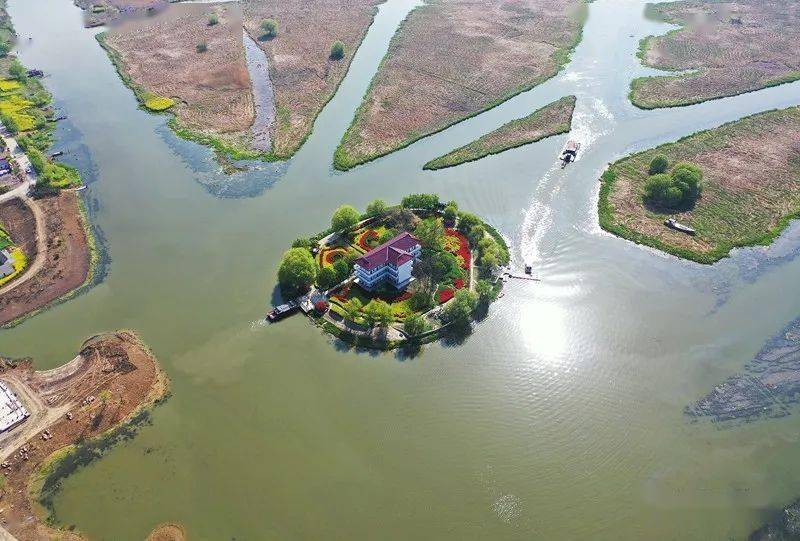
(672, 223)
(570, 153)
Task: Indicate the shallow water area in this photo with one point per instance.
(561, 416)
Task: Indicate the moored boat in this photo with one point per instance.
(672, 223)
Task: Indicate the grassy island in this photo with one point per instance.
(730, 47)
(396, 274)
(748, 192)
(452, 60)
(552, 119)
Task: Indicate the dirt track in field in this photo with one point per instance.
(66, 261)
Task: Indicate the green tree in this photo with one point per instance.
(450, 212)
(459, 310)
(376, 208)
(342, 269)
(689, 179)
(327, 277)
(466, 221)
(344, 217)
(302, 242)
(420, 301)
(414, 325)
(297, 270)
(476, 234)
(427, 201)
(337, 50)
(213, 19)
(386, 236)
(430, 233)
(378, 311)
(485, 291)
(5, 48)
(269, 28)
(201, 47)
(353, 308)
(660, 164)
(17, 70)
(660, 190)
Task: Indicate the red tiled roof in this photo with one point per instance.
(394, 252)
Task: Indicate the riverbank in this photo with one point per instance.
(47, 217)
(751, 189)
(723, 49)
(450, 61)
(81, 409)
(552, 119)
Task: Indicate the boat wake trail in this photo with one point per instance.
(591, 121)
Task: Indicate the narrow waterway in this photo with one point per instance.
(263, 95)
(561, 417)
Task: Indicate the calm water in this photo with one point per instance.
(559, 418)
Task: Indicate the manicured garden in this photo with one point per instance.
(452, 277)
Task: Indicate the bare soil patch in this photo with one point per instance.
(452, 59)
(159, 56)
(751, 188)
(552, 119)
(107, 386)
(67, 261)
(733, 47)
(304, 77)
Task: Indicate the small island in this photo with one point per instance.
(702, 196)
(395, 275)
(721, 49)
(553, 119)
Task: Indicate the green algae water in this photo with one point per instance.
(560, 417)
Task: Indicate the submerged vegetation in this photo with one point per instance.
(455, 270)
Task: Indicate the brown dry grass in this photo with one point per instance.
(304, 78)
(751, 188)
(736, 47)
(66, 265)
(452, 59)
(212, 89)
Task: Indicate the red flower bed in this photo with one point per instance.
(343, 294)
(329, 257)
(445, 295)
(321, 306)
(366, 237)
(463, 247)
(459, 283)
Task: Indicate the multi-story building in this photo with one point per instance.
(390, 262)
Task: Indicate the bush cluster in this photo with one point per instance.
(679, 188)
